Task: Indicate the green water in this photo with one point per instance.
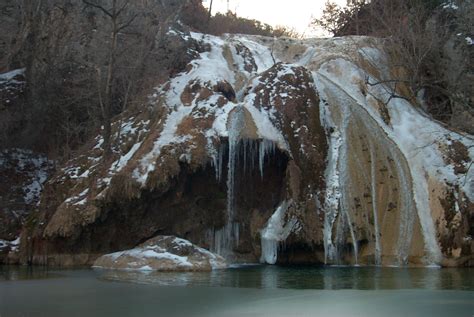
(242, 291)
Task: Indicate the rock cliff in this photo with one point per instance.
(288, 151)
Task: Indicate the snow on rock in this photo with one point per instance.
(421, 140)
(162, 253)
(10, 245)
(23, 174)
(358, 160)
(12, 85)
(450, 5)
(31, 169)
(212, 72)
(11, 76)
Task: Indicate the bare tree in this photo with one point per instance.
(119, 20)
(210, 12)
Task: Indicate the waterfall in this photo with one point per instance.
(217, 160)
(242, 153)
(333, 193)
(275, 231)
(226, 238)
(342, 166)
(330, 90)
(269, 251)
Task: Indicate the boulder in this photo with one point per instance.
(163, 253)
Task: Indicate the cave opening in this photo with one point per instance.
(194, 205)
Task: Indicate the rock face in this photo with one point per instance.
(261, 144)
(23, 174)
(163, 253)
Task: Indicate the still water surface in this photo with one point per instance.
(242, 291)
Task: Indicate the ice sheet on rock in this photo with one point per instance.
(416, 135)
(265, 128)
(209, 69)
(276, 230)
(333, 186)
(262, 54)
(118, 165)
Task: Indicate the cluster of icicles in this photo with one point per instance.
(226, 238)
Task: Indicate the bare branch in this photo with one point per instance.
(119, 11)
(127, 24)
(97, 6)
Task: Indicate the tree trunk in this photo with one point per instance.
(107, 120)
(210, 13)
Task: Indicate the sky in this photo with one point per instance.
(292, 13)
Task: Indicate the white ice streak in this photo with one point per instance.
(415, 135)
(8, 77)
(275, 231)
(13, 245)
(167, 136)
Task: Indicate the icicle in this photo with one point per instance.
(265, 147)
(253, 152)
(261, 157)
(246, 143)
(215, 164)
(234, 135)
(220, 161)
(228, 237)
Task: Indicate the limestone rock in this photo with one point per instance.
(163, 253)
(368, 178)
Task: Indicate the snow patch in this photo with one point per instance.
(9, 76)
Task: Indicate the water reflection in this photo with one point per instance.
(329, 278)
(18, 273)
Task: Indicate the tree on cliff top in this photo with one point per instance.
(425, 42)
